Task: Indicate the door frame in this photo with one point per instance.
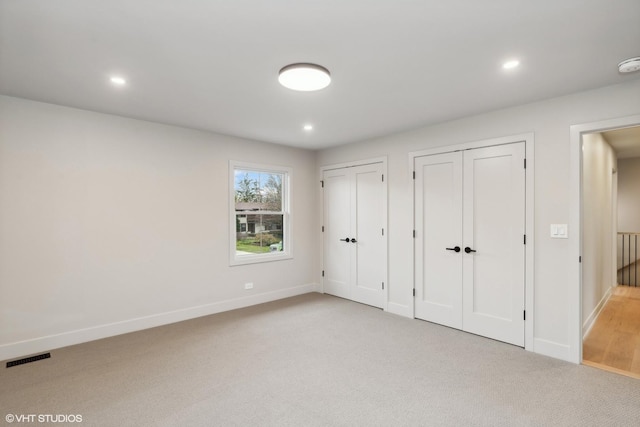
(385, 185)
(528, 139)
(574, 350)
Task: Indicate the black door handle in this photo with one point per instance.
(345, 240)
(352, 240)
(468, 250)
(456, 248)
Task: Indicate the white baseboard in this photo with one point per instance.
(588, 324)
(46, 343)
(552, 349)
(399, 309)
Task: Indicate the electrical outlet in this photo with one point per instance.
(248, 285)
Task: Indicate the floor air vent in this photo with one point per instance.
(28, 360)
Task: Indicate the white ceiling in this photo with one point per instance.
(396, 64)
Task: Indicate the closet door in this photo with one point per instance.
(494, 228)
(438, 256)
(369, 248)
(469, 243)
(354, 243)
(337, 228)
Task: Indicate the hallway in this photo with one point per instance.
(613, 343)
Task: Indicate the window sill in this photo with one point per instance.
(259, 258)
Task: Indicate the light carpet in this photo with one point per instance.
(314, 360)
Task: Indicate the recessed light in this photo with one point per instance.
(118, 81)
(308, 127)
(629, 65)
(509, 65)
(304, 77)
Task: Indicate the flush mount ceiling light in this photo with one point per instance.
(629, 65)
(304, 77)
(308, 127)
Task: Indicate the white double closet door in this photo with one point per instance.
(354, 242)
(469, 245)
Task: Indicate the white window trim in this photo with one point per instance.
(287, 252)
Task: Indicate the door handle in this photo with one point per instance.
(456, 249)
(345, 240)
(468, 250)
(352, 240)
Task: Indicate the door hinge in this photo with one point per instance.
(524, 315)
(322, 273)
(383, 231)
(414, 234)
(414, 292)
(580, 259)
(525, 163)
(414, 174)
(322, 184)
(525, 239)
(382, 285)
(382, 177)
(323, 228)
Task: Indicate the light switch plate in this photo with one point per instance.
(559, 231)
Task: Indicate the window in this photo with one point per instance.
(260, 215)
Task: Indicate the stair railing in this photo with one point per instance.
(628, 262)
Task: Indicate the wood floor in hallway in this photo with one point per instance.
(614, 341)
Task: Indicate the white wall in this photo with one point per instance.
(629, 195)
(599, 225)
(110, 224)
(550, 121)
(628, 216)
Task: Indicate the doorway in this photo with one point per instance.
(611, 224)
(577, 220)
